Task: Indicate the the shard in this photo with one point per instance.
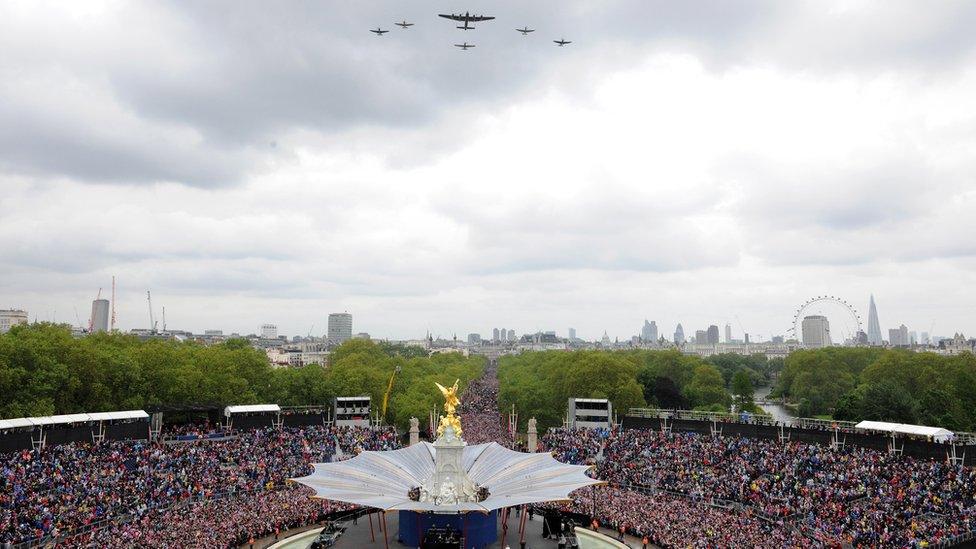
(874, 327)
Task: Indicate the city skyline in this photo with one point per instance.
(735, 328)
(724, 166)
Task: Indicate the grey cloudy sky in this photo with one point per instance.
(693, 162)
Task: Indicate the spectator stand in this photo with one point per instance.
(354, 411)
(252, 416)
(305, 416)
(95, 427)
(590, 413)
(185, 422)
(916, 440)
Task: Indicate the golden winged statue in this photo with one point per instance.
(451, 402)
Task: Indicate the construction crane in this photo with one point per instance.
(152, 317)
(389, 389)
(113, 303)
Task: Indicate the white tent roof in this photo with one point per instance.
(250, 409)
(905, 429)
(41, 421)
(382, 479)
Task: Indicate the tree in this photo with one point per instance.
(707, 388)
(742, 391)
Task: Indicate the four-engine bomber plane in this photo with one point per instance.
(466, 18)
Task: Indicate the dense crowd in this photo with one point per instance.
(853, 495)
(670, 521)
(65, 488)
(480, 419)
(213, 522)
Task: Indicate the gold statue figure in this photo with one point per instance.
(451, 402)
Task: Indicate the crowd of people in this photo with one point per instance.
(676, 489)
(479, 410)
(670, 521)
(774, 489)
(66, 488)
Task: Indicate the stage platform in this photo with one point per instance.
(357, 537)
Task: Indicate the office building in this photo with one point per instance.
(649, 331)
(874, 327)
(99, 315)
(701, 337)
(10, 318)
(269, 331)
(494, 335)
(474, 339)
(511, 335)
(712, 335)
(679, 335)
(572, 334)
(502, 335)
(816, 331)
(340, 327)
(899, 337)
(728, 333)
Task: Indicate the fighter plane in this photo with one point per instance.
(379, 32)
(525, 31)
(562, 42)
(465, 18)
(403, 24)
(464, 46)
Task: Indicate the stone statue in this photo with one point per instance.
(414, 424)
(532, 428)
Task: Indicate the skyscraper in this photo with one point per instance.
(712, 335)
(494, 335)
(99, 316)
(816, 331)
(502, 335)
(649, 331)
(511, 336)
(874, 327)
(340, 327)
(572, 334)
(679, 335)
(701, 337)
(269, 331)
(899, 337)
(728, 333)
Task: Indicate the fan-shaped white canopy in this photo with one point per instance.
(383, 479)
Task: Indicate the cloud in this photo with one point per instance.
(692, 162)
(208, 94)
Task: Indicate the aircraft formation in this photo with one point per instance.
(466, 19)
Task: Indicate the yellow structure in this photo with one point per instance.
(450, 417)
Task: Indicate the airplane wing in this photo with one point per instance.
(462, 18)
